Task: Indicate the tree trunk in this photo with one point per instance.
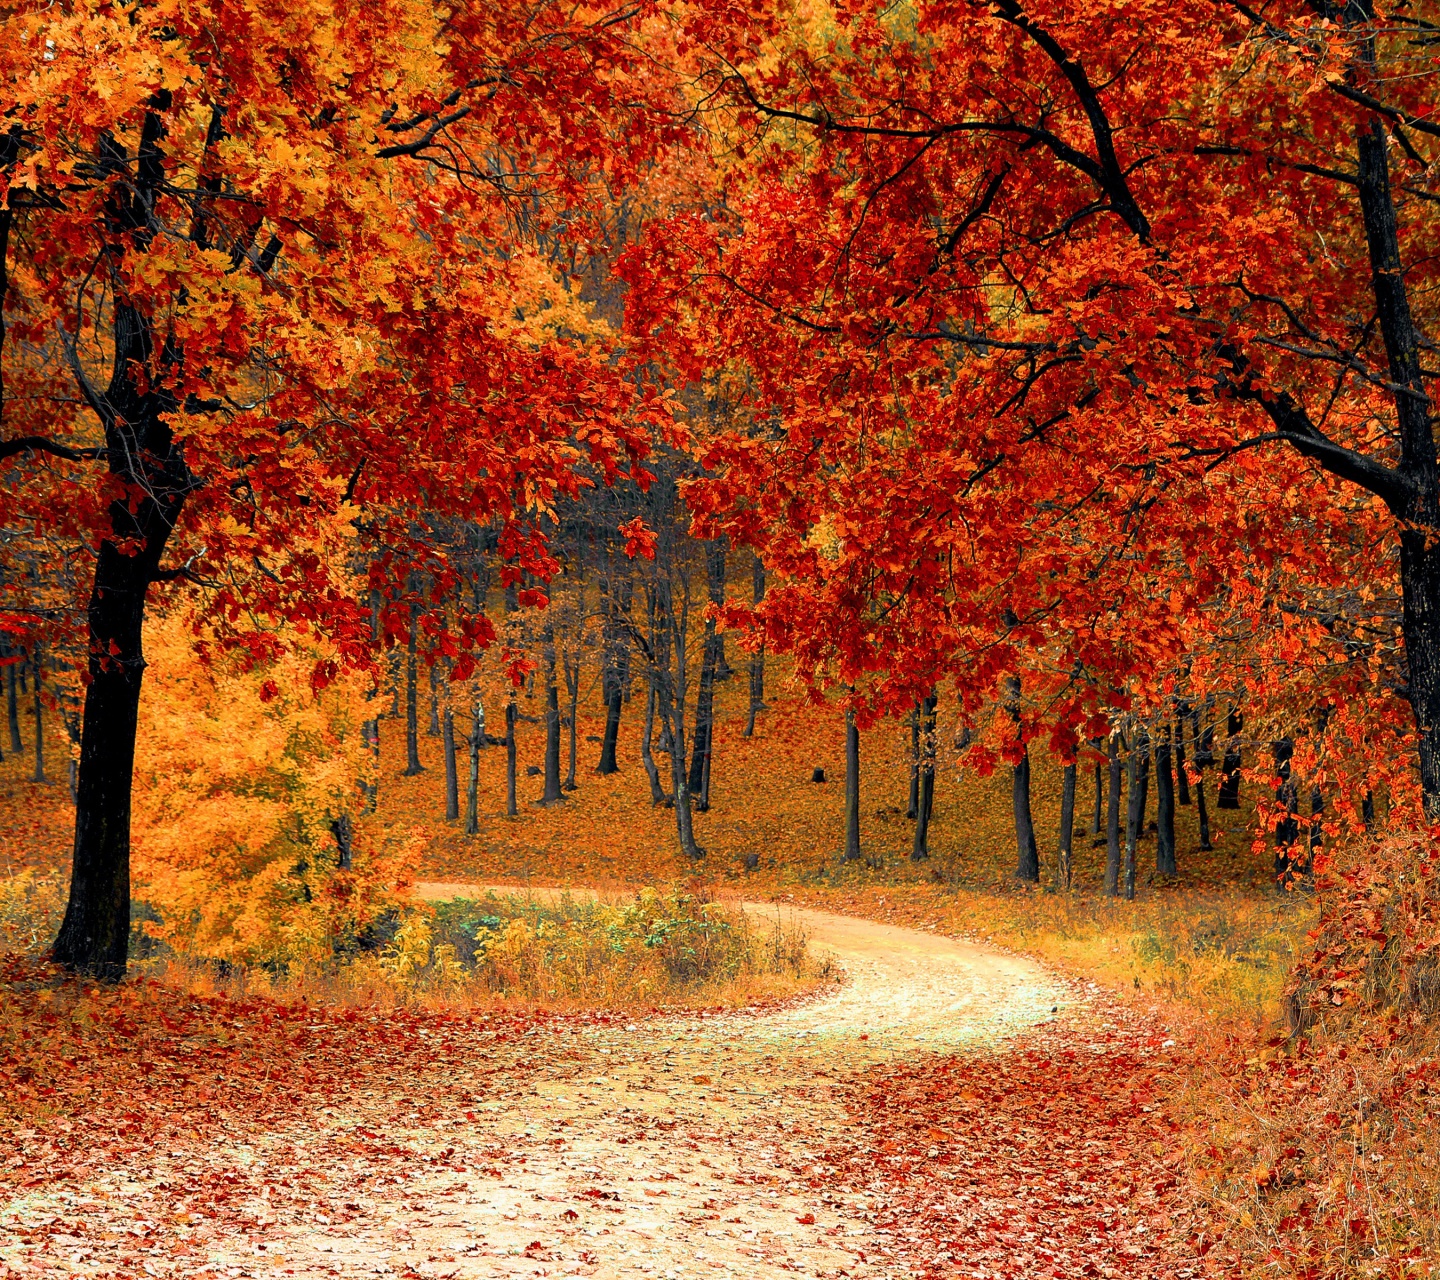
(39, 775)
(412, 734)
(1229, 793)
(1367, 810)
(472, 790)
(757, 659)
(344, 832)
(852, 787)
(1027, 865)
(434, 730)
(1420, 518)
(552, 724)
(1316, 835)
(614, 698)
(925, 780)
(710, 664)
(572, 687)
(704, 721)
(1287, 829)
(1067, 827)
(1112, 819)
(1182, 778)
(1164, 806)
(1097, 816)
(1139, 784)
(512, 805)
(452, 780)
(647, 739)
(672, 716)
(94, 937)
(612, 683)
(142, 455)
(1204, 756)
(913, 810)
(12, 692)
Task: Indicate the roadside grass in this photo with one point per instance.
(655, 951)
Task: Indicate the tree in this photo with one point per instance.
(1027, 865)
(1200, 266)
(1064, 851)
(250, 284)
(852, 787)
(925, 772)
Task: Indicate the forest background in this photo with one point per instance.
(942, 462)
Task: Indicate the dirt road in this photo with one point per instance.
(684, 1146)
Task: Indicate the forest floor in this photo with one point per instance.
(949, 1109)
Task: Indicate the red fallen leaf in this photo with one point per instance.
(806, 1219)
(570, 1214)
(938, 1135)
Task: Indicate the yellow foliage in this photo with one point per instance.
(239, 777)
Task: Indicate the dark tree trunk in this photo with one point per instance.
(704, 721)
(1419, 508)
(757, 659)
(344, 832)
(1316, 834)
(412, 728)
(1287, 829)
(452, 779)
(1229, 793)
(1139, 784)
(433, 729)
(852, 787)
(142, 455)
(12, 691)
(35, 668)
(614, 699)
(572, 687)
(1182, 778)
(1164, 806)
(710, 662)
(612, 681)
(913, 810)
(94, 937)
(1204, 758)
(512, 803)
(1367, 810)
(1097, 816)
(925, 779)
(1027, 864)
(472, 790)
(647, 740)
(1112, 819)
(1064, 856)
(552, 724)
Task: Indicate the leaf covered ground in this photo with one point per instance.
(160, 1133)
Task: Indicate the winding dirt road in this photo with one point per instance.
(684, 1146)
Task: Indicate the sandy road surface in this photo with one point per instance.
(686, 1146)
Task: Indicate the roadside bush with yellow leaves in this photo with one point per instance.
(654, 949)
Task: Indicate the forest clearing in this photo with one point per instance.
(678, 638)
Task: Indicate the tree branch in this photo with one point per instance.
(39, 444)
